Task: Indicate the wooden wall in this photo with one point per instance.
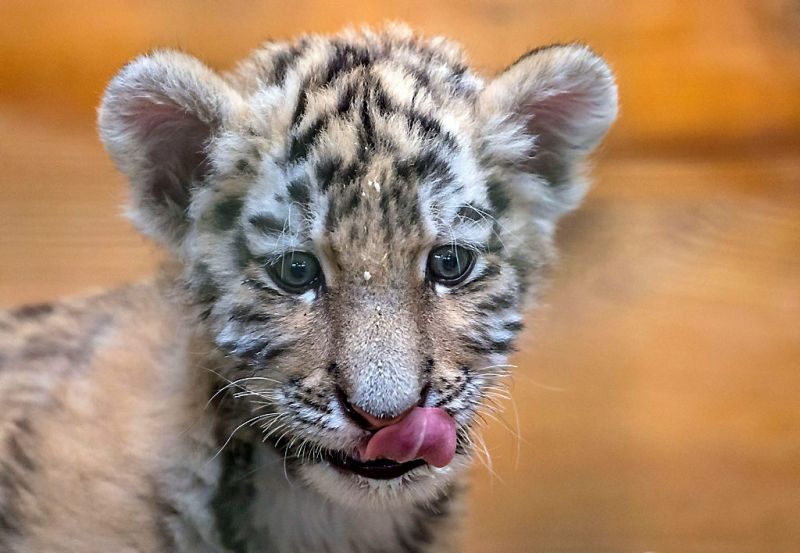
(716, 74)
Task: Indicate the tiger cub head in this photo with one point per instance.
(360, 220)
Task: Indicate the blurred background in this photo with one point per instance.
(657, 399)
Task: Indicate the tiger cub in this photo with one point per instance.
(354, 224)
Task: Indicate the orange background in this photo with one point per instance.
(657, 391)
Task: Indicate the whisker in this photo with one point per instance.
(235, 383)
(230, 437)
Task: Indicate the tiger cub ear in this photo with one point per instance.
(156, 119)
(543, 115)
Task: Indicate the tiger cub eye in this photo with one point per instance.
(296, 271)
(449, 265)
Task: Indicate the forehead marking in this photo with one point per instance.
(268, 224)
(226, 213)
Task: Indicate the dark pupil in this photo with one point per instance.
(297, 271)
(449, 264)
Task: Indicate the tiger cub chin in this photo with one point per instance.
(354, 225)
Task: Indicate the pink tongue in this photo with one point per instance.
(426, 433)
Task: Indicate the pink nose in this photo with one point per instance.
(370, 422)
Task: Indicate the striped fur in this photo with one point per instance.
(366, 149)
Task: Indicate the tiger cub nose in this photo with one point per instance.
(370, 421)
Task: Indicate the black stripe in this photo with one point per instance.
(489, 346)
(14, 473)
(347, 98)
(351, 172)
(249, 352)
(285, 60)
(269, 354)
(226, 213)
(496, 303)
(45, 346)
(386, 205)
(325, 171)
(522, 268)
(267, 223)
(203, 286)
(495, 244)
(349, 204)
(246, 315)
(244, 167)
(456, 79)
(299, 192)
(433, 166)
(243, 254)
(342, 206)
(428, 164)
(366, 131)
(381, 99)
(20, 454)
(232, 501)
(33, 311)
(302, 103)
(514, 326)
(346, 58)
(302, 143)
(11, 522)
(498, 197)
(165, 514)
(280, 65)
(478, 282)
(469, 212)
(256, 284)
(420, 75)
(429, 365)
(453, 392)
(430, 127)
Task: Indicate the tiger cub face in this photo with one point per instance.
(360, 220)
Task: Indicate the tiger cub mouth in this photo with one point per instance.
(378, 469)
(424, 436)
